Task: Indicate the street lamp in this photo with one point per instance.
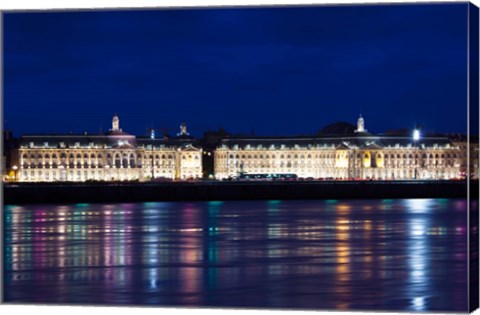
(416, 135)
(15, 168)
(416, 138)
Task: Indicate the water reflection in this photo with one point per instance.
(334, 254)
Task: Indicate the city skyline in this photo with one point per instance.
(182, 129)
(272, 71)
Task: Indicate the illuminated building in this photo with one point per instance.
(344, 153)
(469, 162)
(115, 155)
(339, 151)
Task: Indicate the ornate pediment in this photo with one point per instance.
(372, 146)
(189, 148)
(343, 146)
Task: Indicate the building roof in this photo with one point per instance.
(338, 128)
(359, 140)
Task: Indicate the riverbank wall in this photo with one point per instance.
(203, 191)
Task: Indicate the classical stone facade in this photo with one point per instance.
(351, 155)
(469, 153)
(339, 153)
(115, 155)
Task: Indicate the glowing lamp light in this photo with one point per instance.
(416, 135)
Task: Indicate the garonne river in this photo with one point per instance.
(382, 254)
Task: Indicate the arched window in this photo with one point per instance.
(118, 163)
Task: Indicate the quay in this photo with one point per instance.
(37, 193)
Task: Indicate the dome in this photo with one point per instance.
(338, 128)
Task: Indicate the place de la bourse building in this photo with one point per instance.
(344, 152)
(114, 156)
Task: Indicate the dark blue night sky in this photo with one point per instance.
(274, 71)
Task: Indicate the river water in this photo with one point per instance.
(408, 254)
